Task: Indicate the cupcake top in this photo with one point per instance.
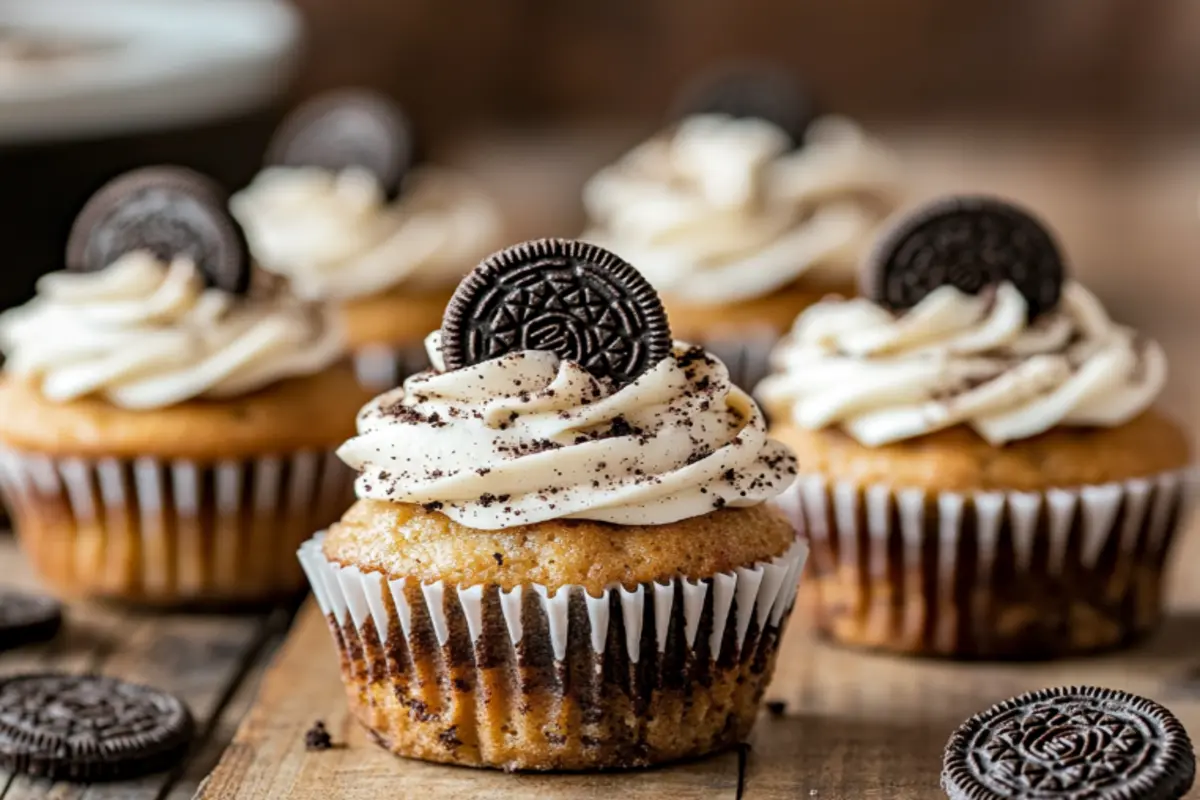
(967, 319)
(556, 393)
(156, 306)
(725, 206)
(342, 214)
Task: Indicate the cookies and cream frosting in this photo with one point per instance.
(957, 358)
(529, 437)
(336, 236)
(145, 334)
(722, 209)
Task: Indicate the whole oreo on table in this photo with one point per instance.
(170, 212)
(1075, 743)
(750, 91)
(566, 297)
(348, 128)
(88, 728)
(27, 619)
(967, 242)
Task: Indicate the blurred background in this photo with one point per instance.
(1088, 111)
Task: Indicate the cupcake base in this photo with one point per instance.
(989, 575)
(172, 532)
(528, 680)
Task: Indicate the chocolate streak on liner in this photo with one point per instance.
(886, 594)
(576, 709)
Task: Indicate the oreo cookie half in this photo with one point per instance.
(967, 242)
(1077, 743)
(87, 728)
(566, 297)
(750, 91)
(348, 128)
(27, 619)
(169, 211)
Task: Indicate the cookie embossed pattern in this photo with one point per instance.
(1073, 743)
(563, 556)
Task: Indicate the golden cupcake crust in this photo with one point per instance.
(406, 541)
(959, 460)
(691, 322)
(395, 317)
(313, 412)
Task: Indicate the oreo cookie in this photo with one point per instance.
(89, 728)
(170, 212)
(27, 619)
(348, 128)
(751, 91)
(968, 242)
(566, 297)
(1076, 743)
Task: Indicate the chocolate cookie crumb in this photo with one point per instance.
(777, 708)
(317, 738)
(499, 559)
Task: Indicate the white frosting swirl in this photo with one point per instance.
(961, 359)
(722, 210)
(145, 334)
(335, 236)
(528, 437)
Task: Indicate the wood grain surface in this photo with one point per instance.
(203, 659)
(856, 725)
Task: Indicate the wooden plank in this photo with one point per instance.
(857, 725)
(267, 758)
(201, 658)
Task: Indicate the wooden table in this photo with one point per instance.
(856, 725)
(213, 663)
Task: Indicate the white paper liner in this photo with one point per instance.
(747, 359)
(1078, 524)
(763, 592)
(380, 367)
(174, 528)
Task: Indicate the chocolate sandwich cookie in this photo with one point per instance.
(751, 91)
(348, 128)
(170, 212)
(967, 242)
(1075, 743)
(27, 619)
(88, 728)
(566, 297)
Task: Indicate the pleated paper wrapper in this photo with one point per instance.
(172, 531)
(990, 574)
(380, 367)
(530, 679)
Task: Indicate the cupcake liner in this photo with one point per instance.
(380, 367)
(537, 679)
(748, 359)
(990, 574)
(172, 531)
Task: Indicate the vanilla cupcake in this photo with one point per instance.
(563, 556)
(744, 212)
(983, 473)
(341, 212)
(166, 429)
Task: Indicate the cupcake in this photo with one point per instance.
(341, 212)
(166, 427)
(984, 474)
(744, 212)
(562, 556)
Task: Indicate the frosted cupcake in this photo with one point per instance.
(983, 471)
(166, 428)
(562, 556)
(342, 213)
(743, 213)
